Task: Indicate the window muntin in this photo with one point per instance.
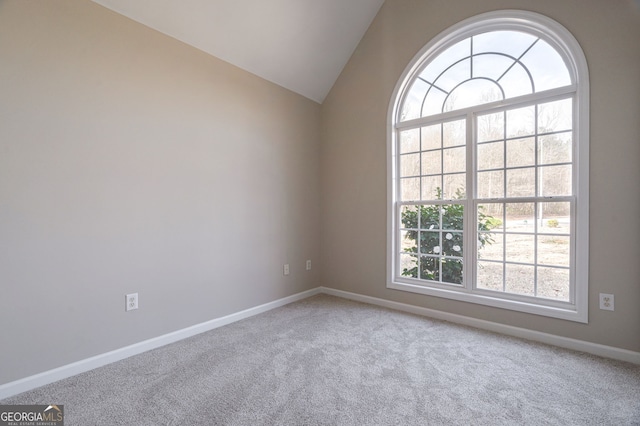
(486, 67)
(509, 155)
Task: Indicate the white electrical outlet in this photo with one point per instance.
(606, 302)
(286, 269)
(308, 265)
(132, 301)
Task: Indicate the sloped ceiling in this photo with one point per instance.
(301, 45)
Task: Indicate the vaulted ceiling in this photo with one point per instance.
(301, 45)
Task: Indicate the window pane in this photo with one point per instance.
(410, 189)
(409, 217)
(490, 66)
(520, 279)
(491, 184)
(455, 160)
(409, 265)
(491, 127)
(452, 244)
(454, 133)
(452, 271)
(429, 268)
(431, 137)
(410, 165)
(520, 217)
(434, 103)
(430, 217)
(512, 43)
(521, 182)
(454, 75)
(521, 152)
(430, 242)
(555, 180)
(554, 218)
(555, 148)
(546, 66)
(521, 122)
(413, 101)
(490, 217)
(490, 276)
(409, 141)
(491, 156)
(553, 283)
(490, 238)
(454, 186)
(408, 241)
(472, 92)
(520, 248)
(516, 82)
(493, 248)
(555, 116)
(456, 52)
(432, 187)
(452, 217)
(554, 250)
(432, 162)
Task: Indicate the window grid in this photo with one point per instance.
(533, 180)
(470, 58)
(537, 235)
(441, 257)
(537, 197)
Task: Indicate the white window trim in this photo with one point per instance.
(560, 38)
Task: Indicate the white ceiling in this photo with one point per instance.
(302, 45)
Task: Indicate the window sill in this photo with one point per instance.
(553, 309)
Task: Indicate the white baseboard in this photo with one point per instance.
(22, 385)
(536, 336)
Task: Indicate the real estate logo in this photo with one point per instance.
(31, 415)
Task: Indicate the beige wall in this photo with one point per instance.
(353, 159)
(130, 162)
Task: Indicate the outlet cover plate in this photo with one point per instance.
(606, 302)
(131, 302)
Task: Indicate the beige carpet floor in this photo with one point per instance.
(330, 361)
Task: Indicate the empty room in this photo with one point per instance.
(320, 212)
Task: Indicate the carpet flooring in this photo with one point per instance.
(330, 361)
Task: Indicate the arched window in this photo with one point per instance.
(488, 167)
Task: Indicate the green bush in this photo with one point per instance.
(552, 223)
(443, 243)
(493, 222)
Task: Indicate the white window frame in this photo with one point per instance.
(561, 39)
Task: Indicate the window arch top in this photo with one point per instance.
(482, 68)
